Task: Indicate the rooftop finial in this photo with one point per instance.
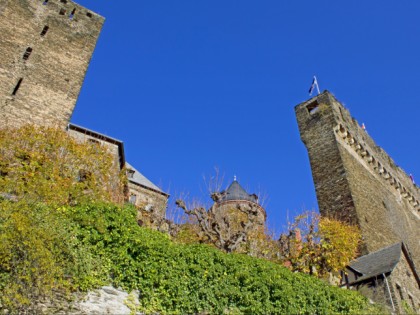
(234, 178)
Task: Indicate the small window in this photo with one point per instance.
(130, 173)
(45, 2)
(88, 14)
(62, 11)
(132, 199)
(44, 30)
(63, 1)
(27, 53)
(312, 108)
(17, 86)
(400, 292)
(72, 13)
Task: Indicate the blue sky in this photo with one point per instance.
(193, 85)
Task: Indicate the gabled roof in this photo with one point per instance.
(380, 262)
(139, 179)
(236, 192)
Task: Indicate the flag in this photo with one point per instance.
(314, 83)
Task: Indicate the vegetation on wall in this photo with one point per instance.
(59, 234)
(46, 164)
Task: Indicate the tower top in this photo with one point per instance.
(236, 192)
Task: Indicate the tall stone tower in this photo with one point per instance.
(45, 49)
(355, 180)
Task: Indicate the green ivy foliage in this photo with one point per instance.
(81, 247)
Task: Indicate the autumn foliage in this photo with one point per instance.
(46, 164)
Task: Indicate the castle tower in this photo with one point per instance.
(45, 49)
(235, 196)
(355, 180)
(240, 210)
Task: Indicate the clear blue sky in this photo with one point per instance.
(191, 85)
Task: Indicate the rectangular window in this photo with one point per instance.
(132, 199)
(62, 11)
(400, 292)
(130, 173)
(45, 2)
(44, 30)
(88, 14)
(312, 108)
(17, 86)
(63, 1)
(27, 53)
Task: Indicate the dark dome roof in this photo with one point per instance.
(236, 192)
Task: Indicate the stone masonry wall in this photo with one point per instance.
(151, 204)
(355, 180)
(45, 49)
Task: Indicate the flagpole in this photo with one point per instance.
(317, 86)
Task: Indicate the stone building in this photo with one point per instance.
(240, 211)
(148, 198)
(387, 276)
(357, 182)
(45, 49)
(235, 196)
(141, 192)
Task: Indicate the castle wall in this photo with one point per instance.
(355, 180)
(44, 55)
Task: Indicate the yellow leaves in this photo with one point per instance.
(43, 164)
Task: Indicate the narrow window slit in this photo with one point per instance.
(27, 53)
(17, 86)
(44, 30)
(88, 14)
(72, 13)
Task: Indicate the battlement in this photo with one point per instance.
(45, 49)
(356, 180)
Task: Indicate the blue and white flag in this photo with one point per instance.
(314, 83)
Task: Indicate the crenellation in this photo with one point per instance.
(356, 180)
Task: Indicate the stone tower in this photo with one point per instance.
(355, 180)
(240, 211)
(234, 197)
(45, 49)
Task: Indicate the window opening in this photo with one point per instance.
(44, 30)
(27, 53)
(133, 199)
(130, 173)
(400, 292)
(45, 2)
(88, 14)
(17, 86)
(63, 1)
(312, 108)
(72, 13)
(62, 11)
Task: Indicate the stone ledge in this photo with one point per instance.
(382, 169)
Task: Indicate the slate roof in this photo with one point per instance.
(140, 179)
(380, 262)
(236, 192)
